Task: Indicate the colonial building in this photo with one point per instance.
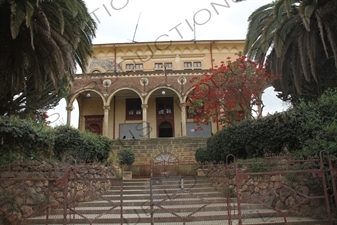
(139, 90)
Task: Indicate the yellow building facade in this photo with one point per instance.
(139, 90)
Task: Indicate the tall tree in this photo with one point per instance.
(299, 39)
(231, 92)
(41, 43)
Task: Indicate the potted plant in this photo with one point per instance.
(201, 157)
(126, 157)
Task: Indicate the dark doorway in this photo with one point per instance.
(165, 130)
(165, 117)
(94, 123)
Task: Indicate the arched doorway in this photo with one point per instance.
(165, 158)
(165, 164)
(165, 129)
(95, 128)
(94, 123)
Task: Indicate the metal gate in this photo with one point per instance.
(275, 189)
(180, 192)
(287, 189)
(39, 194)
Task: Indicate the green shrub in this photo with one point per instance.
(201, 155)
(254, 138)
(302, 131)
(96, 147)
(24, 139)
(319, 124)
(68, 143)
(126, 157)
(80, 146)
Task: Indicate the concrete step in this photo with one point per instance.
(160, 190)
(249, 217)
(160, 206)
(255, 221)
(201, 204)
(160, 196)
(165, 181)
(167, 201)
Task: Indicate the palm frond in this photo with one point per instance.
(297, 71)
(18, 16)
(312, 49)
(306, 10)
(331, 35)
(303, 54)
(281, 34)
(321, 29)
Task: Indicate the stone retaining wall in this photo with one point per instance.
(299, 193)
(27, 189)
(182, 148)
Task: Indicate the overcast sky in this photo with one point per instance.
(164, 20)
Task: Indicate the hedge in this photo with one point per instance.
(303, 131)
(71, 144)
(24, 139)
(254, 138)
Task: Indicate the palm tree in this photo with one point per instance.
(297, 39)
(41, 43)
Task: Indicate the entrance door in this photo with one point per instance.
(165, 117)
(165, 129)
(94, 123)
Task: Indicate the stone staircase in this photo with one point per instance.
(176, 200)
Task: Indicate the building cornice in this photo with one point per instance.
(135, 44)
(143, 74)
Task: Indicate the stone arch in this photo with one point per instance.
(215, 50)
(196, 50)
(224, 50)
(165, 157)
(161, 87)
(139, 52)
(187, 51)
(76, 94)
(99, 68)
(177, 51)
(168, 51)
(120, 53)
(122, 89)
(234, 50)
(187, 93)
(148, 52)
(205, 50)
(158, 52)
(101, 54)
(129, 52)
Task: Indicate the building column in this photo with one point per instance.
(106, 120)
(145, 126)
(69, 109)
(183, 119)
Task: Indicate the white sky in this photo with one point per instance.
(161, 20)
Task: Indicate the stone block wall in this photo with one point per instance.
(182, 148)
(36, 189)
(298, 194)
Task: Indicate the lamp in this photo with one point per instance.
(163, 92)
(88, 95)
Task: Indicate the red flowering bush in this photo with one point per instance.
(231, 92)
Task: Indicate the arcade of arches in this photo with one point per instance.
(139, 90)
